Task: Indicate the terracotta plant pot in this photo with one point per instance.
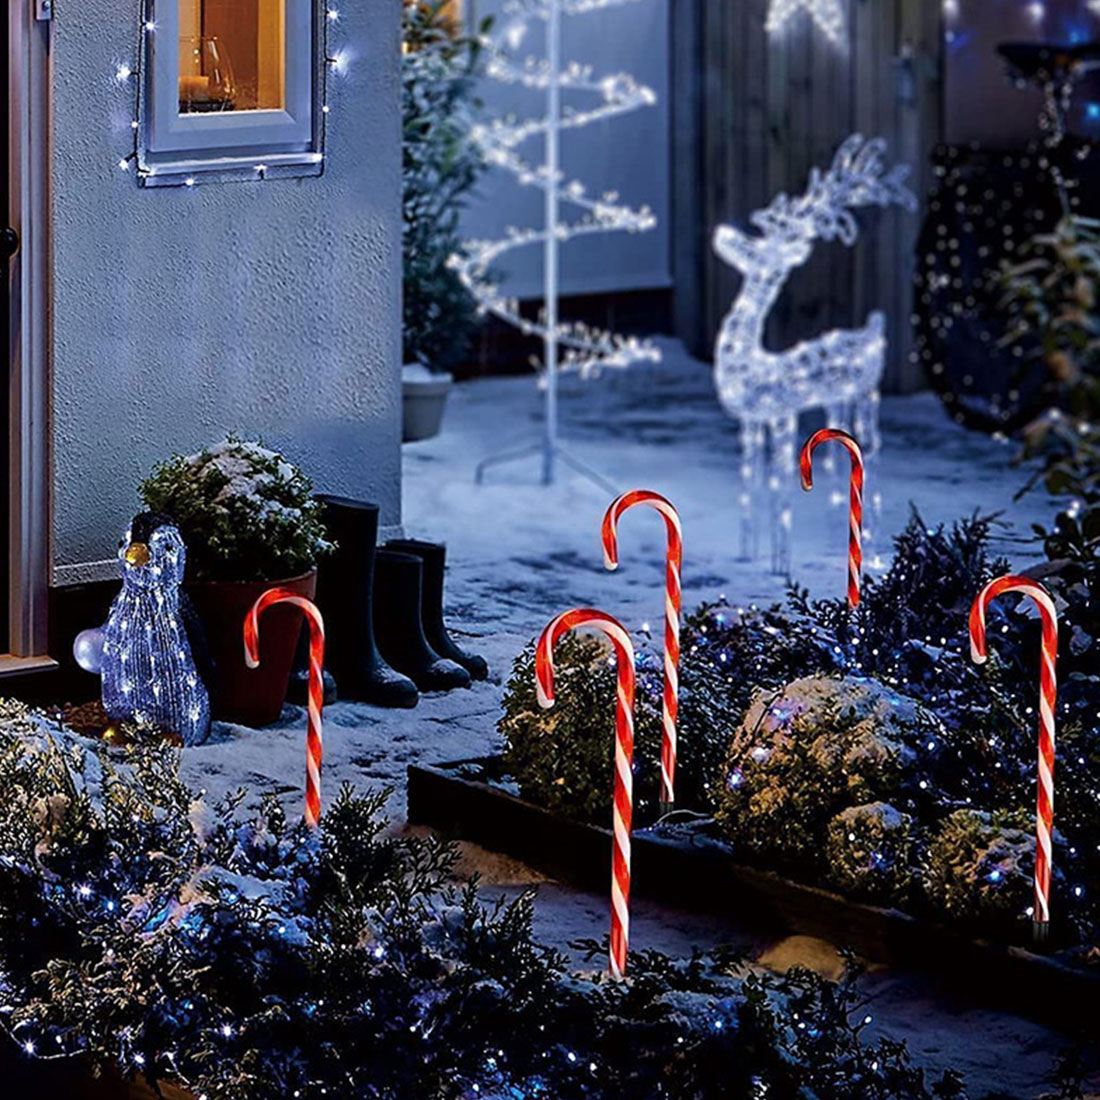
(249, 697)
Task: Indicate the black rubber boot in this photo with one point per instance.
(297, 690)
(397, 625)
(434, 557)
(345, 596)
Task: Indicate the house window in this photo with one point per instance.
(231, 85)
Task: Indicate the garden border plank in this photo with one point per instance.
(705, 877)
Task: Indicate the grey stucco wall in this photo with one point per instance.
(183, 313)
(630, 154)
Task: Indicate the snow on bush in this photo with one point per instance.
(244, 511)
(980, 867)
(224, 948)
(561, 757)
(869, 852)
(808, 752)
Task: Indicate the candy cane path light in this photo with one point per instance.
(1048, 695)
(855, 501)
(316, 682)
(623, 811)
(673, 563)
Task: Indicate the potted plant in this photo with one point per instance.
(441, 165)
(250, 523)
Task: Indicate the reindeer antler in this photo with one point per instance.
(857, 177)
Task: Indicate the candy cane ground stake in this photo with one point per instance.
(1048, 696)
(855, 503)
(624, 758)
(316, 682)
(674, 559)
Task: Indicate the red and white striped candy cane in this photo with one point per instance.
(1048, 696)
(623, 814)
(855, 502)
(316, 682)
(674, 560)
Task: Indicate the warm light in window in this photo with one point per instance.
(232, 55)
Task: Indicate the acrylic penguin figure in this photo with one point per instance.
(150, 650)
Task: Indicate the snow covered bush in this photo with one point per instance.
(833, 747)
(980, 868)
(869, 852)
(221, 947)
(808, 752)
(561, 757)
(245, 512)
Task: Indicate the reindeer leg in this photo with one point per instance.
(867, 429)
(837, 415)
(752, 482)
(784, 440)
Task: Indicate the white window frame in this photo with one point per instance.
(220, 141)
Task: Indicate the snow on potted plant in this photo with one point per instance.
(250, 523)
(441, 165)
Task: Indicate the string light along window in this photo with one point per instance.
(233, 88)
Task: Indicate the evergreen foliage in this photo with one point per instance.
(245, 512)
(239, 954)
(561, 757)
(440, 166)
(776, 701)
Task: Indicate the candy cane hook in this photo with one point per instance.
(316, 682)
(674, 560)
(1048, 697)
(855, 502)
(623, 812)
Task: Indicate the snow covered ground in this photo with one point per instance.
(520, 552)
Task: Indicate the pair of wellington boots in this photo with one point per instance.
(385, 636)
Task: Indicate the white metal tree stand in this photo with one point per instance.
(565, 346)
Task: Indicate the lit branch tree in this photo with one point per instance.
(566, 346)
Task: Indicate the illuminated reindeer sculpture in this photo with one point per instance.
(840, 372)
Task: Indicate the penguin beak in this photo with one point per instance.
(137, 553)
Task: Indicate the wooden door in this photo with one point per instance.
(754, 111)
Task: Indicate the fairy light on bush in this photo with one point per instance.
(583, 348)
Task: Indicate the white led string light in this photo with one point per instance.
(826, 14)
(839, 372)
(132, 76)
(568, 346)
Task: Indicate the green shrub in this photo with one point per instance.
(226, 948)
(1050, 294)
(869, 852)
(980, 867)
(810, 751)
(561, 757)
(245, 512)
